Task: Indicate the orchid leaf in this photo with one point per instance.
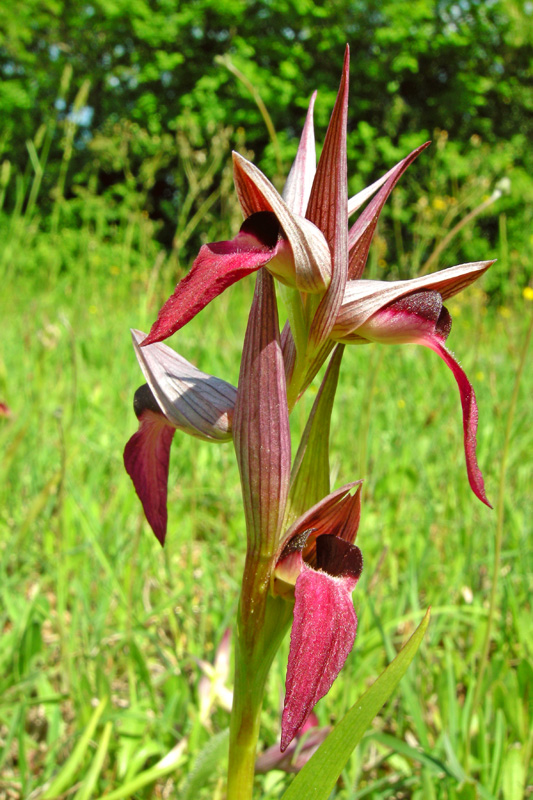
(310, 472)
(318, 777)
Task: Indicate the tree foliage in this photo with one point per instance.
(157, 72)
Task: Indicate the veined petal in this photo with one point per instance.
(146, 458)
(362, 231)
(216, 267)
(328, 209)
(355, 202)
(310, 252)
(298, 185)
(192, 401)
(363, 298)
(337, 513)
(323, 631)
(262, 438)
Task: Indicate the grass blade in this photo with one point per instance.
(66, 776)
(86, 789)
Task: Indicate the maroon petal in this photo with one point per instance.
(470, 416)
(217, 266)
(261, 436)
(146, 458)
(322, 636)
(328, 209)
(362, 231)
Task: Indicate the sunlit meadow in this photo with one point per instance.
(92, 608)
(105, 637)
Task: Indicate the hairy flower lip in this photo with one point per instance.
(323, 631)
(324, 620)
(217, 266)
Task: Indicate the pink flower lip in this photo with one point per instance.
(320, 565)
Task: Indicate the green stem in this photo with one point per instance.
(297, 380)
(499, 537)
(253, 658)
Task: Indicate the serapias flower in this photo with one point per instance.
(319, 565)
(405, 312)
(177, 396)
(302, 238)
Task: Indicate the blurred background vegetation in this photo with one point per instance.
(123, 110)
(116, 126)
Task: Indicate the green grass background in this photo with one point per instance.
(91, 607)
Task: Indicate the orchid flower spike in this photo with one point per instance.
(177, 396)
